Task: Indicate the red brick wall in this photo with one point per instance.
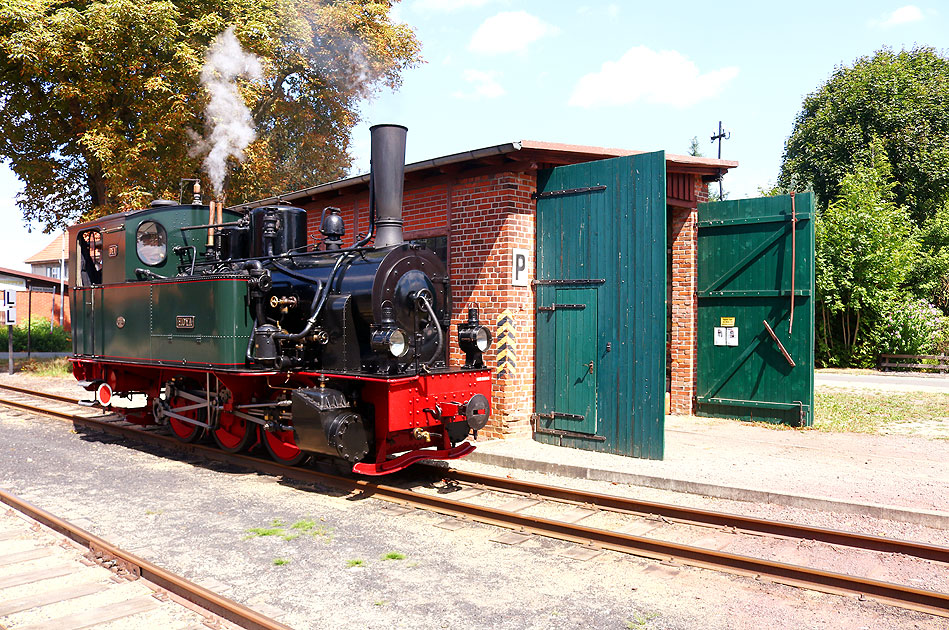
(490, 216)
(41, 306)
(683, 340)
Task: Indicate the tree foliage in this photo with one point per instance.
(97, 97)
(901, 99)
(864, 251)
(929, 278)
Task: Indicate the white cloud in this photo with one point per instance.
(613, 10)
(903, 15)
(510, 31)
(483, 85)
(448, 6)
(665, 77)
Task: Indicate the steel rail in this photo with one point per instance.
(31, 392)
(707, 517)
(208, 600)
(924, 600)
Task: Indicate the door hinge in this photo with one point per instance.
(569, 191)
(563, 307)
(557, 414)
(568, 283)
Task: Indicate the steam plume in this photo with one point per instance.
(229, 126)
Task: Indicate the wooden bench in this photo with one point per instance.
(914, 362)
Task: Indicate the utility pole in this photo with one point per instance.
(721, 135)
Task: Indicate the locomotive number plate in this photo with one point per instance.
(184, 321)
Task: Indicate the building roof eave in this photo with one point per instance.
(523, 151)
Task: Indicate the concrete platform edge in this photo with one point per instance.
(926, 518)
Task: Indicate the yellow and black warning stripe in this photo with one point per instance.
(507, 346)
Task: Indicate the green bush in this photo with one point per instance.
(914, 327)
(42, 338)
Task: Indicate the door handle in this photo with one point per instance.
(589, 367)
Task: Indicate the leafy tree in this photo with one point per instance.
(695, 149)
(902, 99)
(774, 190)
(97, 97)
(929, 278)
(865, 249)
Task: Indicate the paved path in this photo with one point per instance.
(902, 381)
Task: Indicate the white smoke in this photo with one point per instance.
(229, 126)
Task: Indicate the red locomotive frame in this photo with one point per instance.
(410, 411)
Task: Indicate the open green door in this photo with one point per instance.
(756, 309)
(601, 305)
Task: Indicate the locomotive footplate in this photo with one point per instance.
(425, 417)
(406, 459)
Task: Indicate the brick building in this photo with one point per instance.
(45, 299)
(476, 207)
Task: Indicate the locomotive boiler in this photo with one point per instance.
(232, 325)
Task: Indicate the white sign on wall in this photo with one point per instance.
(519, 272)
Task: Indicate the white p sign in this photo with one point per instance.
(519, 275)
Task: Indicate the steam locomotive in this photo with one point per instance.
(232, 326)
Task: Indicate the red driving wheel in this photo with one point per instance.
(233, 433)
(185, 431)
(282, 446)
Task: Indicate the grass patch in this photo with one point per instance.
(303, 527)
(641, 621)
(394, 555)
(254, 532)
(279, 562)
(310, 528)
(875, 412)
(356, 563)
(57, 368)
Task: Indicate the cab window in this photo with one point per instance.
(90, 257)
(151, 243)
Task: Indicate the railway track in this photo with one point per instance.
(84, 581)
(595, 521)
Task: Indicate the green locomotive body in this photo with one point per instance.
(124, 309)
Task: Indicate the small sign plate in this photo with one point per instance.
(720, 339)
(113, 251)
(732, 334)
(184, 321)
(519, 274)
(728, 321)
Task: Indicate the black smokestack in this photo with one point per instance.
(386, 175)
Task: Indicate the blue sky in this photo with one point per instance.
(633, 75)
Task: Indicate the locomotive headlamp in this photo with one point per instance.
(482, 339)
(474, 339)
(391, 340)
(389, 337)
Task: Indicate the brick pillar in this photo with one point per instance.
(683, 338)
(490, 216)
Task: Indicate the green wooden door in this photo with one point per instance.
(601, 303)
(567, 322)
(756, 309)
